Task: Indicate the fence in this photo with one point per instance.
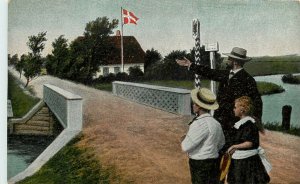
(173, 100)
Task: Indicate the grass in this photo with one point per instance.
(178, 84)
(259, 68)
(74, 165)
(277, 127)
(265, 88)
(103, 86)
(21, 102)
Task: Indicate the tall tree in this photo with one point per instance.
(20, 64)
(13, 59)
(33, 61)
(151, 57)
(97, 44)
(57, 62)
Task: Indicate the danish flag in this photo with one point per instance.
(129, 17)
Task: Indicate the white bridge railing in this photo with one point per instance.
(173, 100)
(66, 106)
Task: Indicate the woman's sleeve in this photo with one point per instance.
(249, 133)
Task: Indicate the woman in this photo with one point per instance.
(248, 164)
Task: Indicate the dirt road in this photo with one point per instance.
(143, 143)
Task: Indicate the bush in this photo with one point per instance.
(289, 78)
(106, 79)
(135, 73)
(122, 76)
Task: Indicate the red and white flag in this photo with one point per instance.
(129, 17)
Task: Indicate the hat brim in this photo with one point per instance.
(239, 58)
(213, 106)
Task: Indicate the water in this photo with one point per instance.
(272, 104)
(23, 150)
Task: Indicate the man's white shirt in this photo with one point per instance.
(204, 138)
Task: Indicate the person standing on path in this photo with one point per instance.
(248, 161)
(234, 82)
(204, 139)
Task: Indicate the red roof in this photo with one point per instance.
(132, 51)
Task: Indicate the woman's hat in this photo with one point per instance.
(204, 98)
(238, 53)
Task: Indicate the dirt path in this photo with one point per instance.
(144, 143)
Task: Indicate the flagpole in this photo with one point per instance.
(122, 62)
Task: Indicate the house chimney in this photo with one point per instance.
(118, 33)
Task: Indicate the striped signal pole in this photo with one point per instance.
(212, 48)
(196, 36)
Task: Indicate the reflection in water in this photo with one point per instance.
(272, 104)
(23, 150)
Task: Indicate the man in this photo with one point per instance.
(233, 83)
(204, 139)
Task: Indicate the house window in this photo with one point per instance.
(105, 71)
(116, 70)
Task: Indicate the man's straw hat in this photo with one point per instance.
(204, 98)
(238, 53)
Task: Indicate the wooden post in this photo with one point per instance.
(286, 117)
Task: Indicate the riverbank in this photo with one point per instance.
(291, 79)
(272, 111)
(21, 102)
(74, 164)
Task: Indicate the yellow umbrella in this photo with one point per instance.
(224, 165)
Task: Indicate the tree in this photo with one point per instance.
(8, 58)
(20, 64)
(57, 62)
(151, 57)
(91, 50)
(135, 72)
(168, 69)
(13, 60)
(33, 61)
(205, 57)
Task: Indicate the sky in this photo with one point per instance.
(263, 27)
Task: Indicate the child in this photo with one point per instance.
(248, 164)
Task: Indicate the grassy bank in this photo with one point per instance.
(21, 102)
(291, 79)
(74, 165)
(265, 88)
(278, 127)
(273, 65)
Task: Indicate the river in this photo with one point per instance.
(23, 150)
(272, 104)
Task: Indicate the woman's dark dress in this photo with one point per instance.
(251, 169)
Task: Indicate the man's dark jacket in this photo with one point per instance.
(241, 84)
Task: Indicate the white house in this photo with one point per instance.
(133, 55)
